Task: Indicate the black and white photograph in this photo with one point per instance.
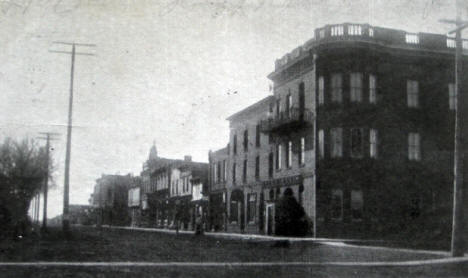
(233, 138)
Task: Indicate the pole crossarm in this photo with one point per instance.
(451, 21)
(76, 53)
(75, 43)
(459, 28)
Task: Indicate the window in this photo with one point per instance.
(356, 87)
(215, 172)
(289, 155)
(257, 167)
(278, 107)
(278, 156)
(354, 30)
(412, 89)
(257, 136)
(356, 142)
(414, 146)
(302, 152)
(372, 89)
(301, 99)
(270, 165)
(251, 207)
(322, 33)
(224, 170)
(234, 173)
(246, 140)
(234, 144)
(234, 211)
(321, 90)
(218, 171)
(337, 30)
(357, 204)
(244, 171)
(336, 88)
(373, 143)
(451, 43)
(321, 143)
(452, 96)
(288, 105)
(336, 205)
(371, 32)
(412, 38)
(337, 142)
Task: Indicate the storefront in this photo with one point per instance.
(217, 211)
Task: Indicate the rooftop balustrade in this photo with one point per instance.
(368, 33)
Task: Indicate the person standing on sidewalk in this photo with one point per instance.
(199, 225)
(177, 219)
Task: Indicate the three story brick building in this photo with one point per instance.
(359, 129)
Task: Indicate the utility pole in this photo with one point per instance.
(36, 211)
(66, 186)
(33, 209)
(46, 177)
(458, 244)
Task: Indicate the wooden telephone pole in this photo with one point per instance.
(458, 225)
(66, 186)
(48, 138)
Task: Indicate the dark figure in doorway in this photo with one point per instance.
(290, 217)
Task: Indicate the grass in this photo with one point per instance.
(87, 244)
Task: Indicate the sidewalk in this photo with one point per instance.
(325, 241)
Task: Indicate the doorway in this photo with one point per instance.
(270, 218)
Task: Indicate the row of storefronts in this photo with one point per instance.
(170, 193)
(340, 147)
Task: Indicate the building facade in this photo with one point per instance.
(110, 198)
(134, 202)
(186, 176)
(219, 167)
(248, 167)
(166, 188)
(359, 128)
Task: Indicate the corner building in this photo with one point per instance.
(360, 127)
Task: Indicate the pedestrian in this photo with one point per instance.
(199, 225)
(177, 219)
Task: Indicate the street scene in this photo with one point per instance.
(233, 139)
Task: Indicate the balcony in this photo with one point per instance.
(287, 121)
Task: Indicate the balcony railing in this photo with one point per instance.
(293, 119)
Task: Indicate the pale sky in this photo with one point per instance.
(164, 71)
